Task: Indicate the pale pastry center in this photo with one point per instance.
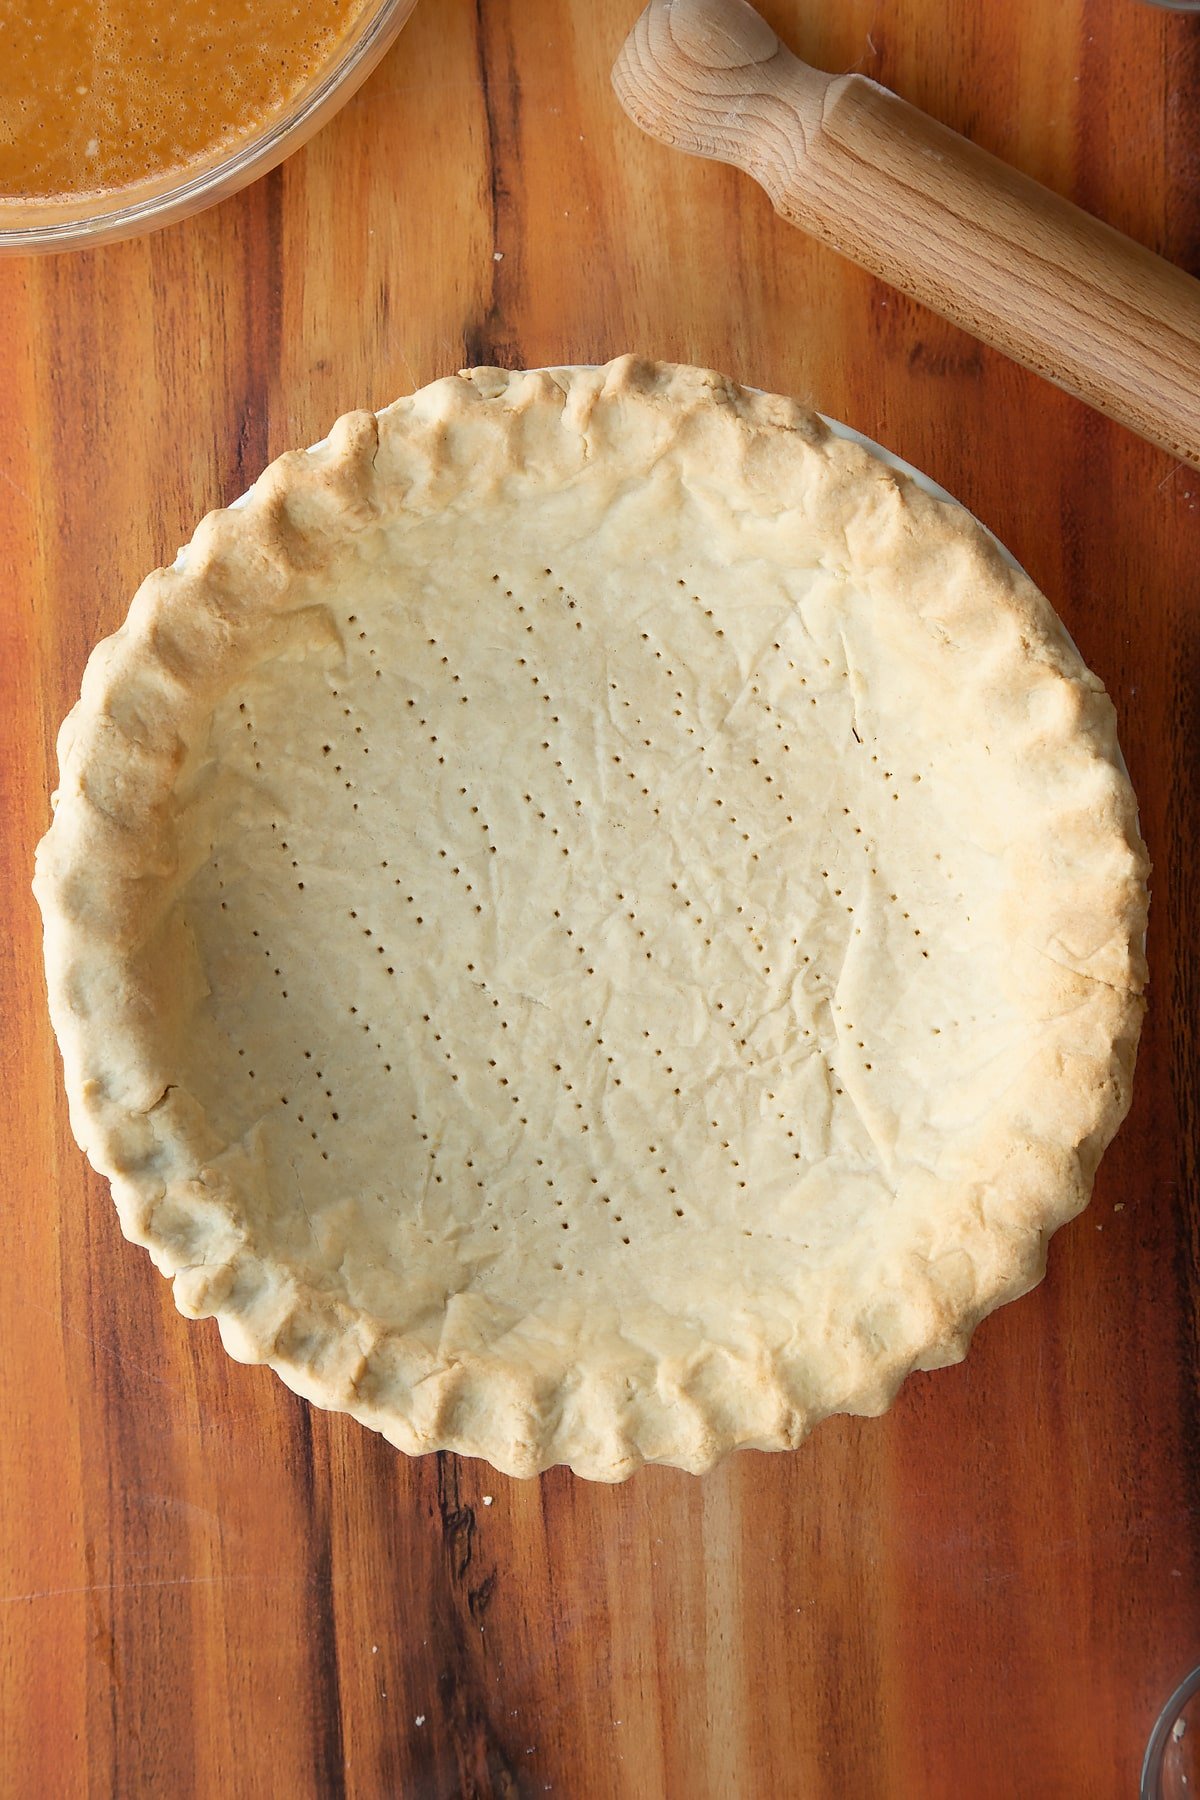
(588, 923)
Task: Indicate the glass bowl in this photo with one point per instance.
(1171, 1770)
(80, 221)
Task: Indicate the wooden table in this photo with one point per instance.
(208, 1588)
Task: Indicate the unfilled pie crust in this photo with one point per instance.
(592, 922)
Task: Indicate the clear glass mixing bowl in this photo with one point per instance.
(1171, 1770)
(79, 221)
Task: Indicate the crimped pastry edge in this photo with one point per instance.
(125, 748)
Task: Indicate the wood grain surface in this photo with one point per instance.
(206, 1587)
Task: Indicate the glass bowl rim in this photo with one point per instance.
(1150, 1786)
(155, 202)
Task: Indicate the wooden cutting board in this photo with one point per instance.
(208, 1588)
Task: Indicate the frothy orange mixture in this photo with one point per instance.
(101, 94)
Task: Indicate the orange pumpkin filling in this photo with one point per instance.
(99, 95)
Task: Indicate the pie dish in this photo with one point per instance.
(591, 921)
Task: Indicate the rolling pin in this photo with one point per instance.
(927, 211)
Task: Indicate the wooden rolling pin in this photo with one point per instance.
(927, 211)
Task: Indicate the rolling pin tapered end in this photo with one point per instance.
(693, 74)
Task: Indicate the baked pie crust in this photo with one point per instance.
(590, 921)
